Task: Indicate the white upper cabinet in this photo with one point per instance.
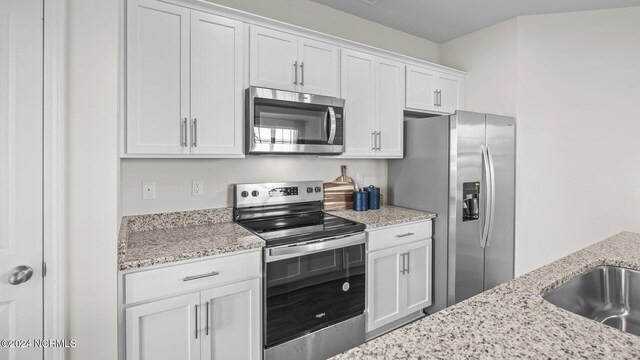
(390, 92)
(373, 89)
(273, 59)
(319, 67)
(157, 77)
(358, 90)
(283, 61)
(433, 91)
(184, 82)
(216, 85)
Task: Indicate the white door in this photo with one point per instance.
(319, 67)
(390, 88)
(450, 93)
(421, 87)
(358, 82)
(21, 36)
(216, 85)
(384, 285)
(157, 78)
(418, 279)
(164, 329)
(231, 322)
(273, 59)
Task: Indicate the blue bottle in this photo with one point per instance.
(360, 200)
(374, 197)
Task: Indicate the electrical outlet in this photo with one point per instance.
(148, 190)
(197, 188)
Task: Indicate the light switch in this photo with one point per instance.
(148, 190)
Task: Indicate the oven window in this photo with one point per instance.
(280, 124)
(310, 292)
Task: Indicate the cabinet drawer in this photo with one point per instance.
(149, 284)
(398, 235)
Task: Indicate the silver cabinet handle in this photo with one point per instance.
(20, 274)
(196, 321)
(295, 73)
(206, 329)
(183, 131)
(404, 235)
(379, 140)
(373, 140)
(435, 98)
(195, 277)
(439, 98)
(302, 73)
(194, 132)
(332, 124)
(408, 262)
(402, 271)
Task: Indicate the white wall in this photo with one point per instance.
(92, 161)
(578, 126)
(173, 178)
(576, 96)
(318, 17)
(489, 58)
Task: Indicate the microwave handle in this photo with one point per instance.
(332, 124)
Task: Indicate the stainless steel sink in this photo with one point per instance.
(607, 294)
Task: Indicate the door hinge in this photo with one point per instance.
(44, 269)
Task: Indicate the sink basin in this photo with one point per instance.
(607, 294)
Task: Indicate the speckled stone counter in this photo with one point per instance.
(513, 321)
(153, 239)
(385, 216)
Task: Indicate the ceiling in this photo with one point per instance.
(443, 20)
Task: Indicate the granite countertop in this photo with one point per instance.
(514, 321)
(146, 240)
(385, 216)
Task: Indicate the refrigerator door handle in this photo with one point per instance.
(492, 203)
(487, 210)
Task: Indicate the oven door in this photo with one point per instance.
(312, 286)
(288, 122)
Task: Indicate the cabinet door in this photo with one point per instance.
(421, 87)
(319, 67)
(418, 278)
(384, 282)
(232, 328)
(390, 103)
(157, 77)
(450, 93)
(358, 89)
(216, 85)
(272, 59)
(163, 330)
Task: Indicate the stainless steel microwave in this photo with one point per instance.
(285, 122)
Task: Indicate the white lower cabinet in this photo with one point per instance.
(213, 323)
(398, 276)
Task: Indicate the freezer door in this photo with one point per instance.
(500, 244)
(466, 256)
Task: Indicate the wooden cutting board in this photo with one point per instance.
(338, 195)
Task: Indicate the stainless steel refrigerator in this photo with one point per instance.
(462, 167)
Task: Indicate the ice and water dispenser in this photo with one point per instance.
(470, 201)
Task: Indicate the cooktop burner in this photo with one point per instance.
(286, 213)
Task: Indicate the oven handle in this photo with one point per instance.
(332, 126)
(296, 250)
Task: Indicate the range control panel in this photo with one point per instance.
(261, 194)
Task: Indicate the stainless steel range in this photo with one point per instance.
(314, 270)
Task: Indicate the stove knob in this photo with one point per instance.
(309, 190)
(255, 193)
(318, 189)
(244, 194)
